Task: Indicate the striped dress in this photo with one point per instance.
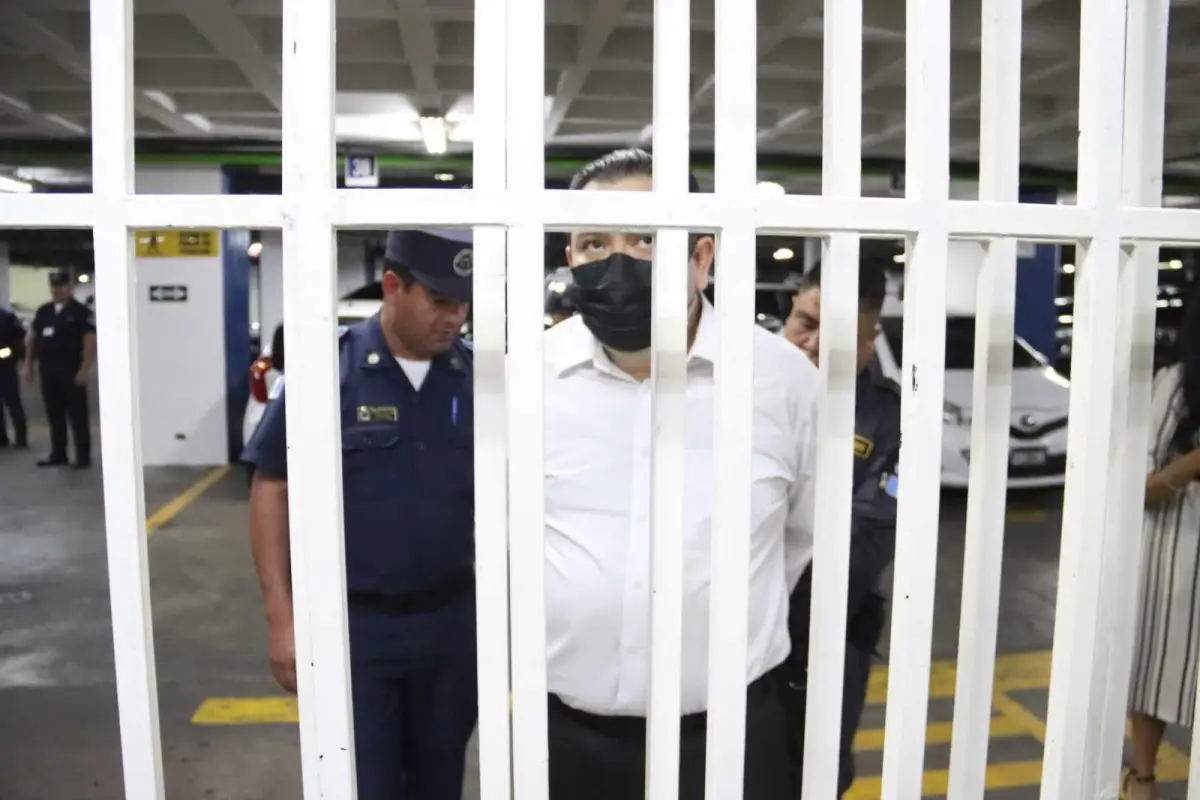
(1168, 639)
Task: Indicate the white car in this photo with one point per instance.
(1037, 455)
(268, 367)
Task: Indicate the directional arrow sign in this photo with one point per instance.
(168, 294)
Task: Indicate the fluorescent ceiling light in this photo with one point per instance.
(1174, 263)
(85, 278)
(1066, 319)
(162, 98)
(434, 134)
(254, 250)
(770, 187)
(445, 177)
(1069, 268)
(61, 121)
(377, 127)
(200, 121)
(783, 254)
(14, 186)
(899, 258)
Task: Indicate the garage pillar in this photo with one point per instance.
(1036, 316)
(190, 336)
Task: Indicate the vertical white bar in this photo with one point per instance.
(314, 404)
(927, 178)
(999, 163)
(841, 177)
(491, 413)
(526, 31)
(121, 445)
(672, 41)
(736, 150)
(1075, 666)
(1145, 107)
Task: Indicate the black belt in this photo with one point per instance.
(636, 726)
(459, 583)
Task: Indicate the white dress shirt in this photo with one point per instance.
(598, 474)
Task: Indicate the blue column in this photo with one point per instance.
(236, 265)
(1035, 314)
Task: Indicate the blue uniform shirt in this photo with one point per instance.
(407, 464)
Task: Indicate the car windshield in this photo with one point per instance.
(960, 344)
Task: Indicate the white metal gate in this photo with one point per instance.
(1117, 223)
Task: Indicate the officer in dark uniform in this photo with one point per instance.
(63, 342)
(873, 516)
(12, 350)
(408, 484)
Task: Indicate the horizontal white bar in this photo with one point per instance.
(257, 211)
(562, 210)
(47, 210)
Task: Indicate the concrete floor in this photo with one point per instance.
(58, 727)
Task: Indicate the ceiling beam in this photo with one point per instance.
(418, 37)
(784, 23)
(19, 27)
(604, 19)
(225, 31)
(50, 124)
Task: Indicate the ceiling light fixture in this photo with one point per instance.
(14, 186)
(254, 250)
(444, 177)
(770, 187)
(1069, 269)
(899, 258)
(784, 254)
(85, 278)
(434, 134)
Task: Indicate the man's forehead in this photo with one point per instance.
(626, 183)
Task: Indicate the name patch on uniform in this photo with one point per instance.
(863, 446)
(378, 414)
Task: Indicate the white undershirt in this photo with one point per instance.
(415, 370)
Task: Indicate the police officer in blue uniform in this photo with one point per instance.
(873, 515)
(12, 350)
(408, 486)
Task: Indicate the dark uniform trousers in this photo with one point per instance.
(872, 545)
(596, 757)
(65, 401)
(10, 398)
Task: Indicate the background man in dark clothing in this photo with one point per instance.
(873, 517)
(63, 342)
(12, 349)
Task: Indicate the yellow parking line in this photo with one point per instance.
(1029, 723)
(1025, 515)
(939, 733)
(1015, 672)
(1011, 775)
(169, 510)
(247, 711)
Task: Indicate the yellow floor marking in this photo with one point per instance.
(1011, 775)
(1025, 515)
(169, 510)
(1031, 724)
(939, 733)
(1015, 672)
(247, 711)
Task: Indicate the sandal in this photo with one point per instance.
(1131, 775)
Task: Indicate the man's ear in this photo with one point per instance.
(567, 250)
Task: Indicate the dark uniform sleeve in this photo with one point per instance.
(873, 518)
(89, 319)
(267, 449)
(872, 537)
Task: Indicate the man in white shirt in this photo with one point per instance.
(598, 517)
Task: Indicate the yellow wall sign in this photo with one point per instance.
(178, 244)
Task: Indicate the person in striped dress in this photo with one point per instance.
(1167, 647)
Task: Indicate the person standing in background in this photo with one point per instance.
(63, 344)
(12, 348)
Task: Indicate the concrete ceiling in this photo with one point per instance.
(211, 68)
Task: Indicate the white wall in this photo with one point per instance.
(270, 278)
(181, 359)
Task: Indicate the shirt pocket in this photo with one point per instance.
(367, 449)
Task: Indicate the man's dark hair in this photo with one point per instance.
(872, 286)
(630, 162)
(619, 164)
(400, 271)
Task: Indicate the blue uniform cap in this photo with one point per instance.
(438, 260)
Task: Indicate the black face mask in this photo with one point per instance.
(613, 297)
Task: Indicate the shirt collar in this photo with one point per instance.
(580, 346)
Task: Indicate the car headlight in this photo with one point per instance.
(954, 415)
